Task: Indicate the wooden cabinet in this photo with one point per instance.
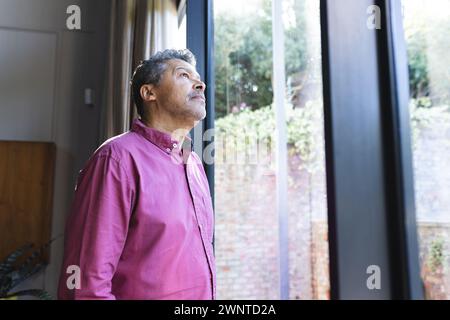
(26, 193)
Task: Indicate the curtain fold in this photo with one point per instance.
(138, 29)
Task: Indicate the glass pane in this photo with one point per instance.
(247, 235)
(427, 30)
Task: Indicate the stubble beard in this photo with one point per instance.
(190, 111)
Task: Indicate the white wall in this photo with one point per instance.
(44, 69)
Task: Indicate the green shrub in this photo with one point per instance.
(304, 128)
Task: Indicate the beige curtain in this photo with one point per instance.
(138, 29)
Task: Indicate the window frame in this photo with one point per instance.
(386, 236)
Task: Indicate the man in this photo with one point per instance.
(141, 224)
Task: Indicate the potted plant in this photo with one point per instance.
(19, 266)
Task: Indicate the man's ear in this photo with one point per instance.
(147, 92)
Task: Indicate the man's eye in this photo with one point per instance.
(184, 74)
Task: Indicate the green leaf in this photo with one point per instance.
(41, 294)
(7, 264)
(5, 284)
(13, 273)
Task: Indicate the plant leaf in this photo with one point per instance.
(41, 294)
(7, 264)
(5, 284)
(14, 274)
(39, 252)
(23, 274)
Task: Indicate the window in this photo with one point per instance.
(369, 199)
(256, 237)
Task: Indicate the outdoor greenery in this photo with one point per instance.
(249, 127)
(437, 254)
(243, 96)
(428, 47)
(243, 56)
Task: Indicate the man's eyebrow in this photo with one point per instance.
(188, 70)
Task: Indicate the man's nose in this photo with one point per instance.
(200, 85)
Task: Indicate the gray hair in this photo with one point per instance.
(150, 71)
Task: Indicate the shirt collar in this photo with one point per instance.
(162, 140)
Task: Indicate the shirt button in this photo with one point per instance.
(175, 145)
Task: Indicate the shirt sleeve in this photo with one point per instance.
(96, 229)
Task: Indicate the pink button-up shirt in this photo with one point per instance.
(141, 224)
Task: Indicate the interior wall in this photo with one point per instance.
(44, 70)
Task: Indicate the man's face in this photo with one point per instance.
(181, 92)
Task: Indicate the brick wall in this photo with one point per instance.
(246, 235)
(247, 223)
